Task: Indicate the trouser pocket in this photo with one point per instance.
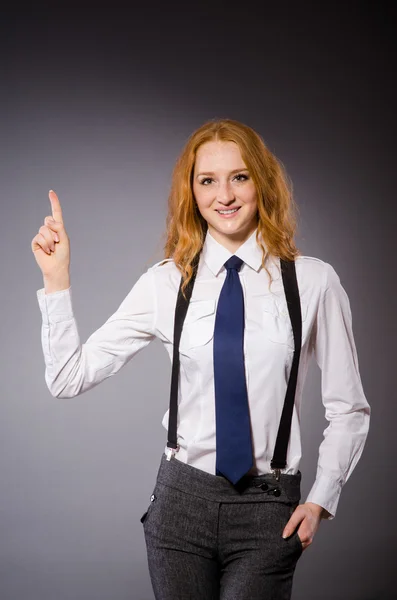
(298, 540)
(153, 499)
(295, 535)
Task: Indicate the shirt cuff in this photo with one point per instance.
(326, 492)
(55, 307)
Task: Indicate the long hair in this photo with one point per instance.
(186, 228)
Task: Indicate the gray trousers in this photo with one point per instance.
(208, 540)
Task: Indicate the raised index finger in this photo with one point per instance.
(56, 206)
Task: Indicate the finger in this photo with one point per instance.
(42, 241)
(50, 223)
(48, 235)
(291, 526)
(56, 206)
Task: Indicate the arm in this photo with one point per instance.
(72, 368)
(346, 407)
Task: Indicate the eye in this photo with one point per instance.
(202, 182)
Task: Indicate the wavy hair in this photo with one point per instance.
(186, 228)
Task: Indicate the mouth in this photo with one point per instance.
(228, 213)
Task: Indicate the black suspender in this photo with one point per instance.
(180, 314)
(279, 460)
(291, 290)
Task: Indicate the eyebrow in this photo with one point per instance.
(231, 172)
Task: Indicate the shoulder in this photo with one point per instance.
(310, 264)
(163, 267)
(316, 272)
(165, 273)
(162, 263)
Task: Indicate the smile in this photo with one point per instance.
(229, 211)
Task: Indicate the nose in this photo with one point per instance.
(225, 194)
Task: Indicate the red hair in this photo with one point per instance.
(186, 228)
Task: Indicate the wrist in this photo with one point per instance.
(56, 283)
(319, 510)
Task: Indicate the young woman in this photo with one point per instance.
(224, 519)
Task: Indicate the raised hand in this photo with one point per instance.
(51, 247)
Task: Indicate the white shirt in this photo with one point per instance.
(147, 312)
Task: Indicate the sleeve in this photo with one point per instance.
(72, 368)
(346, 407)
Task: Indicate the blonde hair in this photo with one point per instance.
(185, 227)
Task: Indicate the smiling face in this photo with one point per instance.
(225, 193)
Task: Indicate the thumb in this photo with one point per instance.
(57, 227)
(54, 225)
(291, 525)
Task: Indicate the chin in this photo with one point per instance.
(231, 229)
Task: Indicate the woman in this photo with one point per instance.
(224, 519)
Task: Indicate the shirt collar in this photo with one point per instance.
(215, 255)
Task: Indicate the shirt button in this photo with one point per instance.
(276, 492)
(264, 486)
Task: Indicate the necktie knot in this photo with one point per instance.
(234, 262)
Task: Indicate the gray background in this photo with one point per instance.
(97, 104)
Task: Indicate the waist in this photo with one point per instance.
(251, 488)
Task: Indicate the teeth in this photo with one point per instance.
(227, 212)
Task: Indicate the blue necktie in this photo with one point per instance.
(233, 431)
